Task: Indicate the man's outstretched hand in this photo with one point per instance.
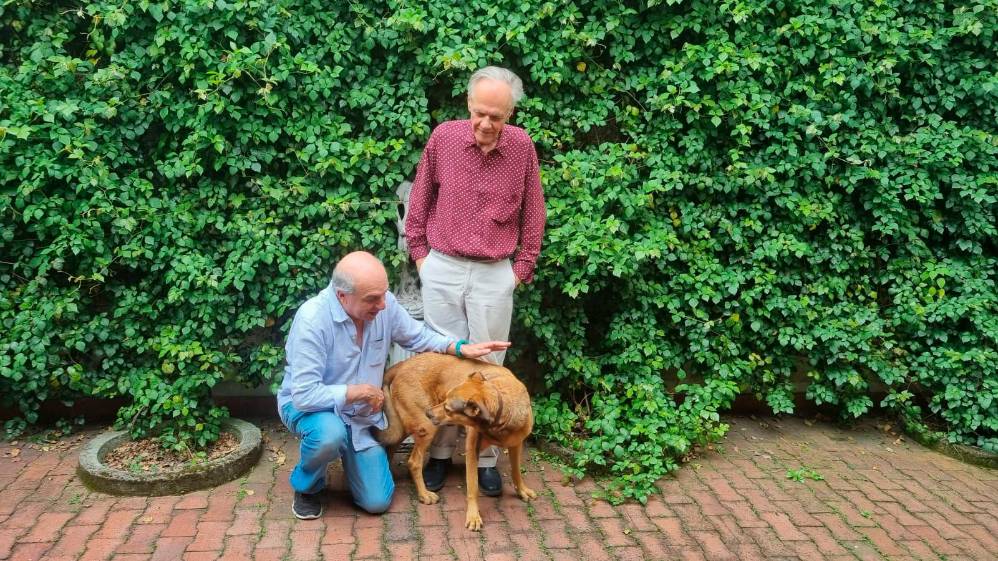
(476, 350)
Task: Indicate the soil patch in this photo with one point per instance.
(147, 456)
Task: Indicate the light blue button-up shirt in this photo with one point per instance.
(323, 358)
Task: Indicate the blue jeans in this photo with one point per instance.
(324, 438)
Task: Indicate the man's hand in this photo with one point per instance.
(369, 394)
(477, 350)
(419, 264)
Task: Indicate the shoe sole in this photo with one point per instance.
(305, 516)
(490, 492)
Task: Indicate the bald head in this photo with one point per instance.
(359, 270)
(361, 283)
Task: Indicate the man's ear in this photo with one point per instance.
(476, 376)
(472, 410)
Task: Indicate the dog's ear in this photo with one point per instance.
(474, 411)
(476, 376)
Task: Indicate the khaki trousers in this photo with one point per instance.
(470, 300)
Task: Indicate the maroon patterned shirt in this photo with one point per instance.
(474, 205)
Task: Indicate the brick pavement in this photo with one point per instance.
(879, 498)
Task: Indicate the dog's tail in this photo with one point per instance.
(395, 432)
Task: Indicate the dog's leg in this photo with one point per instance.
(422, 438)
(524, 492)
(473, 520)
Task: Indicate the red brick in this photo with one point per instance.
(72, 542)
(744, 515)
(930, 536)
(330, 552)
(628, 553)
(94, 513)
(712, 546)
(31, 551)
(193, 501)
(132, 503)
(27, 514)
(430, 515)
(238, 548)
(945, 529)
(839, 529)
(272, 554)
(555, 534)
(495, 538)
(247, 522)
(783, 527)
(528, 546)
(184, 524)
(723, 491)
(807, 550)
(883, 542)
(305, 543)
(673, 530)
(919, 550)
(8, 537)
(100, 548)
(159, 510)
(601, 509)
(770, 544)
(209, 537)
(202, 555)
(575, 518)
(47, 527)
(434, 542)
(824, 540)
(117, 524)
(759, 502)
(142, 539)
(221, 507)
(171, 549)
(850, 514)
(368, 542)
(566, 496)
(10, 498)
(466, 548)
(399, 526)
(275, 534)
(613, 532)
(748, 551)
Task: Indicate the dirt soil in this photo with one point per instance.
(148, 456)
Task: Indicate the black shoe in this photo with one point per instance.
(489, 482)
(307, 505)
(434, 473)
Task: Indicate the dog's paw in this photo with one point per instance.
(526, 493)
(473, 521)
(429, 498)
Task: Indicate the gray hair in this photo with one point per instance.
(342, 281)
(501, 75)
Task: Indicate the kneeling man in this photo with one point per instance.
(331, 394)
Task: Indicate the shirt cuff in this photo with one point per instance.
(524, 271)
(339, 394)
(419, 252)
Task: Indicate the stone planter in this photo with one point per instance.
(100, 477)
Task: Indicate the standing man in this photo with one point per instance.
(474, 228)
(331, 394)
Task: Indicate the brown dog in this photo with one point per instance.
(432, 389)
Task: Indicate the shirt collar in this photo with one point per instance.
(335, 308)
(469, 137)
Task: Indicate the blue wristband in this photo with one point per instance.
(457, 347)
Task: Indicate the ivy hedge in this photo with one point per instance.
(742, 195)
